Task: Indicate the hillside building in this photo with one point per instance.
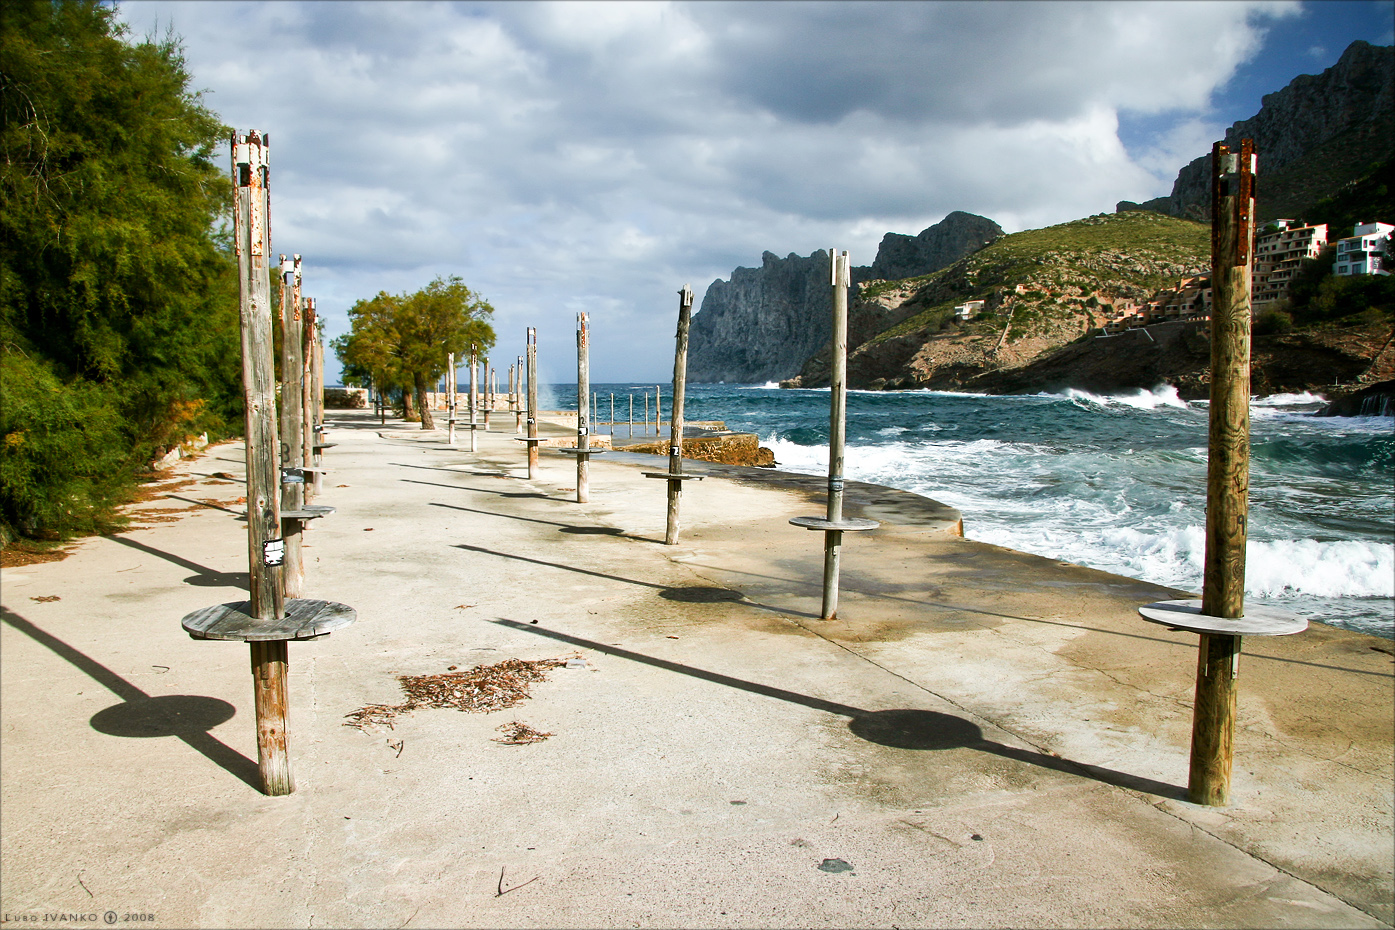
(1365, 251)
(967, 309)
(1278, 252)
(1189, 300)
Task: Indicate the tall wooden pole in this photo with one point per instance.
(583, 413)
(265, 549)
(474, 402)
(485, 371)
(1228, 469)
(307, 400)
(518, 397)
(837, 420)
(450, 398)
(317, 398)
(292, 430)
(532, 402)
(675, 441)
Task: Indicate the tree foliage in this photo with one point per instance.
(401, 341)
(118, 304)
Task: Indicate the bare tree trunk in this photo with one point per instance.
(408, 408)
(419, 386)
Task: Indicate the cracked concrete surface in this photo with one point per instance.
(985, 738)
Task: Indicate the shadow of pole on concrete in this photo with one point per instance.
(563, 527)
(451, 487)
(186, 716)
(665, 591)
(907, 728)
(205, 577)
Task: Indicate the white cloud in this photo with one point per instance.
(565, 156)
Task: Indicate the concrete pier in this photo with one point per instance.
(993, 739)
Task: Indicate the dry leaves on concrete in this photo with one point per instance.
(517, 733)
(482, 689)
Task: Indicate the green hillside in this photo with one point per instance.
(1071, 274)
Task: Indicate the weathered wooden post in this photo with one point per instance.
(583, 450)
(658, 409)
(518, 397)
(317, 397)
(474, 402)
(307, 402)
(674, 475)
(487, 374)
(583, 418)
(532, 438)
(266, 621)
(1220, 616)
(292, 430)
(631, 433)
(450, 398)
(833, 524)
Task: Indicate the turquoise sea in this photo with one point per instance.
(1112, 482)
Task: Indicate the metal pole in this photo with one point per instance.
(264, 548)
(532, 402)
(1228, 470)
(837, 420)
(675, 442)
(658, 410)
(292, 431)
(631, 434)
(583, 413)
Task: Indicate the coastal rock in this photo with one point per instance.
(1378, 400)
(765, 322)
(1314, 135)
(946, 242)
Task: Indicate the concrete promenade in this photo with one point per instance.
(983, 739)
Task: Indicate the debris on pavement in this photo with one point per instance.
(482, 689)
(517, 733)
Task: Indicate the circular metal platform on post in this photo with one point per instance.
(1258, 621)
(304, 619)
(671, 477)
(846, 525)
(572, 450)
(308, 512)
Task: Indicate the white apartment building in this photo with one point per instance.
(1278, 253)
(1365, 251)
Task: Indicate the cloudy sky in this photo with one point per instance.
(571, 156)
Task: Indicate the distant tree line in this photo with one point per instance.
(118, 294)
(398, 344)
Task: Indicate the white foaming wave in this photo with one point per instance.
(1176, 558)
(1164, 395)
(1346, 568)
(1287, 400)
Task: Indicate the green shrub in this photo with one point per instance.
(66, 462)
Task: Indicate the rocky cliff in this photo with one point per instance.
(765, 322)
(1318, 133)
